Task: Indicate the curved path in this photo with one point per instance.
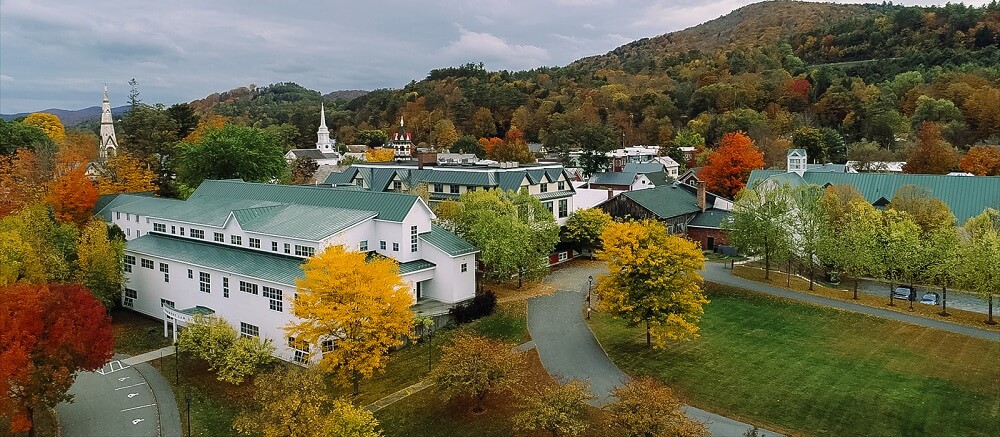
(568, 349)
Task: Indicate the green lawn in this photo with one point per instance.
(817, 371)
(135, 333)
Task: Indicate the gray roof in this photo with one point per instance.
(314, 154)
(711, 218)
(415, 266)
(613, 178)
(448, 242)
(643, 167)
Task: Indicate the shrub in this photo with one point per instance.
(480, 306)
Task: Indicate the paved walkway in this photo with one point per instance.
(150, 356)
(399, 395)
(120, 399)
(719, 274)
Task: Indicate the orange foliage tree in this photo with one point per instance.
(50, 332)
(512, 148)
(933, 155)
(982, 161)
(72, 196)
(730, 165)
(125, 174)
(21, 182)
(489, 144)
(213, 122)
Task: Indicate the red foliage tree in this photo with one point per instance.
(730, 165)
(800, 88)
(982, 161)
(72, 196)
(50, 331)
(933, 155)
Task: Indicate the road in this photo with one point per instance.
(956, 300)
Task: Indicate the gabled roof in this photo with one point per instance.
(801, 153)
(967, 196)
(712, 218)
(305, 222)
(613, 178)
(244, 262)
(106, 203)
(389, 206)
(448, 242)
(666, 201)
(643, 167)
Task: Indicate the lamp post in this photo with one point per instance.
(590, 286)
(187, 400)
(177, 360)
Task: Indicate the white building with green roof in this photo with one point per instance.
(235, 249)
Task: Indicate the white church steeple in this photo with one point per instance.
(109, 144)
(323, 142)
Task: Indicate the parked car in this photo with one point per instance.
(904, 292)
(930, 298)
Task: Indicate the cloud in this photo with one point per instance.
(588, 26)
(6, 78)
(473, 46)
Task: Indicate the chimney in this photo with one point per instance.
(611, 193)
(701, 196)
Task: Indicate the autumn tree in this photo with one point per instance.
(232, 152)
(729, 166)
(645, 407)
(35, 248)
(982, 161)
(72, 196)
(473, 365)
(204, 126)
(303, 170)
(444, 133)
(897, 242)
(50, 333)
(810, 225)
(852, 249)
(293, 402)
(99, 262)
(653, 279)
(483, 124)
(560, 409)
(48, 123)
(513, 148)
(584, 228)
(930, 213)
(932, 155)
(231, 356)
(514, 231)
(836, 199)
(384, 154)
(123, 173)
(980, 254)
(21, 181)
(760, 224)
(489, 144)
(362, 306)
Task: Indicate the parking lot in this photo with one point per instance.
(113, 401)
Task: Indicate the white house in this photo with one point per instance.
(234, 249)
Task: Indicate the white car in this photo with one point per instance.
(930, 298)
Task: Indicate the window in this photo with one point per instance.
(173, 229)
(129, 262)
(182, 231)
(255, 243)
(395, 247)
(198, 233)
(359, 182)
(205, 282)
(274, 246)
(327, 346)
(166, 303)
(563, 256)
(166, 272)
(454, 189)
(439, 188)
(363, 246)
(288, 248)
(465, 267)
(247, 287)
(248, 330)
(219, 237)
(137, 219)
(225, 287)
(301, 349)
(381, 245)
(128, 231)
(544, 187)
(561, 185)
(190, 274)
(413, 238)
(130, 297)
(236, 240)
(548, 206)
(275, 296)
(304, 251)
(397, 186)
(118, 215)
(563, 208)
(147, 263)
(159, 227)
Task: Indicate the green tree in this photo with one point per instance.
(372, 138)
(99, 261)
(760, 223)
(566, 134)
(810, 139)
(934, 110)
(468, 144)
(232, 152)
(514, 231)
(942, 261)
(930, 213)
(584, 228)
(559, 409)
(653, 279)
(810, 225)
(231, 356)
(15, 135)
(472, 365)
(980, 254)
(185, 118)
(852, 249)
(897, 245)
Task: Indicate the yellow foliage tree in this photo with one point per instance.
(48, 123)
(125, 174)
(645, 407)
(363, 306)
(205, 125)
(653, 279)
(475, 365)
(380, 155)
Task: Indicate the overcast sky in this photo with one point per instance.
(59, 53)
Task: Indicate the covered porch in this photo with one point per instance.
(182, 317)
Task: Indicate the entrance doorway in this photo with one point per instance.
(711, 243)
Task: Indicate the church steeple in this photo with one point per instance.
(109, 144)
(323, 142)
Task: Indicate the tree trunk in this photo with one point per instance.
(555, 432)
(989, 320)
(520, 274)
(891, 301)
(810, 275)
(855, 288)
(649, 339)
(788, 274)
(944, 300)
(479, 402)
(31, 422)
(767, 265)
(356, 379)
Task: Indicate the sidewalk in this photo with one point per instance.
(149, 356)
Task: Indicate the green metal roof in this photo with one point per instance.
(209, 212)
(378, 178)
(643, 167)
(389, 206)
(711, 218)
(967, 196)
(197, 311)
(311, 223)
(244, 262)
(553, 195)
(448, 242)
(666, 201)
(415, 266)
(108, 202)
(613, 178)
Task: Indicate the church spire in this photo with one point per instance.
(323, 142)
(109, 143)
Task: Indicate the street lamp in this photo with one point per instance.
(590, 286)
(187, 400)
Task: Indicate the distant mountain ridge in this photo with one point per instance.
(344, 94)
(73, 117)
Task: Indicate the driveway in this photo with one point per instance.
(956, 299)
(118, 400)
